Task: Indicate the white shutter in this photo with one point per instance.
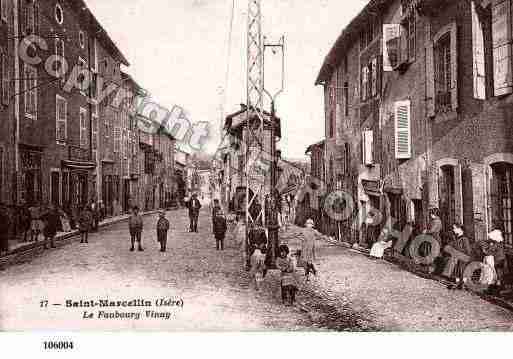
(478, 56)
(403, 130)
(391, 40)
(367, 143)
(501, 38)
(454, 66)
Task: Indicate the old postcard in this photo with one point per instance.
(256, 165)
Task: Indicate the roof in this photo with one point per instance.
(311, 147)
(228, 125)
(346, 39)
(101, 33)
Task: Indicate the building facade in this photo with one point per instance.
(420, 91)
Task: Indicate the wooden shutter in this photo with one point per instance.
(367, 144)
(479, 71)
(5, 77)
(374, 75)
(454, 66)
(36, 18)
(391, 36)
(402, 130)
(501, 39)
(430, 79)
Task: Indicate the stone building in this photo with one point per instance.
(420, 92)
(57, 114)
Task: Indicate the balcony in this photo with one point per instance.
(79, 154)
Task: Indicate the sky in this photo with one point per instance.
(178, 51)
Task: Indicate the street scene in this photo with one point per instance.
(243, 168)
(218, 295)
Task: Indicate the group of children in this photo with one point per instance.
(287, 264)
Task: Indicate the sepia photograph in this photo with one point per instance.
(256, 166)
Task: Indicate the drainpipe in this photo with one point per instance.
(16, 99)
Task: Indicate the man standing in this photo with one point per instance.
(4, 230)
(135, 225)
(194, 209)
(52, 220)
(162, 229)
(216, 208)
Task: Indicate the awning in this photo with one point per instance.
(78, 165)
(372, 188)
(393, 190)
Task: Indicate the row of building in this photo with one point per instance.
(418, 115)
(68, 145)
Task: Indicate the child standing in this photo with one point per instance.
(162, 229)
(220, 229)
(288, 269)
(84, 224)
(258, 266)
(308, 253)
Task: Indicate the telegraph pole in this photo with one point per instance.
(274, 197)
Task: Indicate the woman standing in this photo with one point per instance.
(462, 244)
(494, 247)
(308, 252)
(84, 224)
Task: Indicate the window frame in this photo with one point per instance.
(58, 120)
(4, 11)
(442, 48)
(83, 127)
(32, 91)
(4, 78)
(61, 72)
(59, 8)
(81, 39)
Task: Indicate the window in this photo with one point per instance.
(117, 133)
(478, 52)
(82, 65)
(374, 77)
(402, 116)
(4, 10)
(94, 126)
(30, 82)
(501, 39)
(81, 39)
(59, 14)
(367, 147)
(83, 127)
(346, 98)
(31, 17)
(409, 28)
(442, 62)
(443, 74)
(365, 83)
(61, 118)
(4, 74)
(332, 124)
(59, 51)
(65, 188)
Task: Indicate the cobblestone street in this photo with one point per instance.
(351, 293)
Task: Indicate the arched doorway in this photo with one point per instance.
(501, 199)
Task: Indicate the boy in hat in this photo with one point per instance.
(162, 229)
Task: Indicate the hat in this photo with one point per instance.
(310, 222)
(496, 236)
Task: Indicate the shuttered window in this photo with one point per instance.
(364, 84)
(4, 10)
(391, 46)
(83, 128)
(374, 75)
(403, 130)
(367, 147)
(501, 39)
(479, 71)
(61, 118)
(31, 17)
(59, 51)
(4, 73)
(30, 82)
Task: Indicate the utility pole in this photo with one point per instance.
(274, 197)
(253, 131)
